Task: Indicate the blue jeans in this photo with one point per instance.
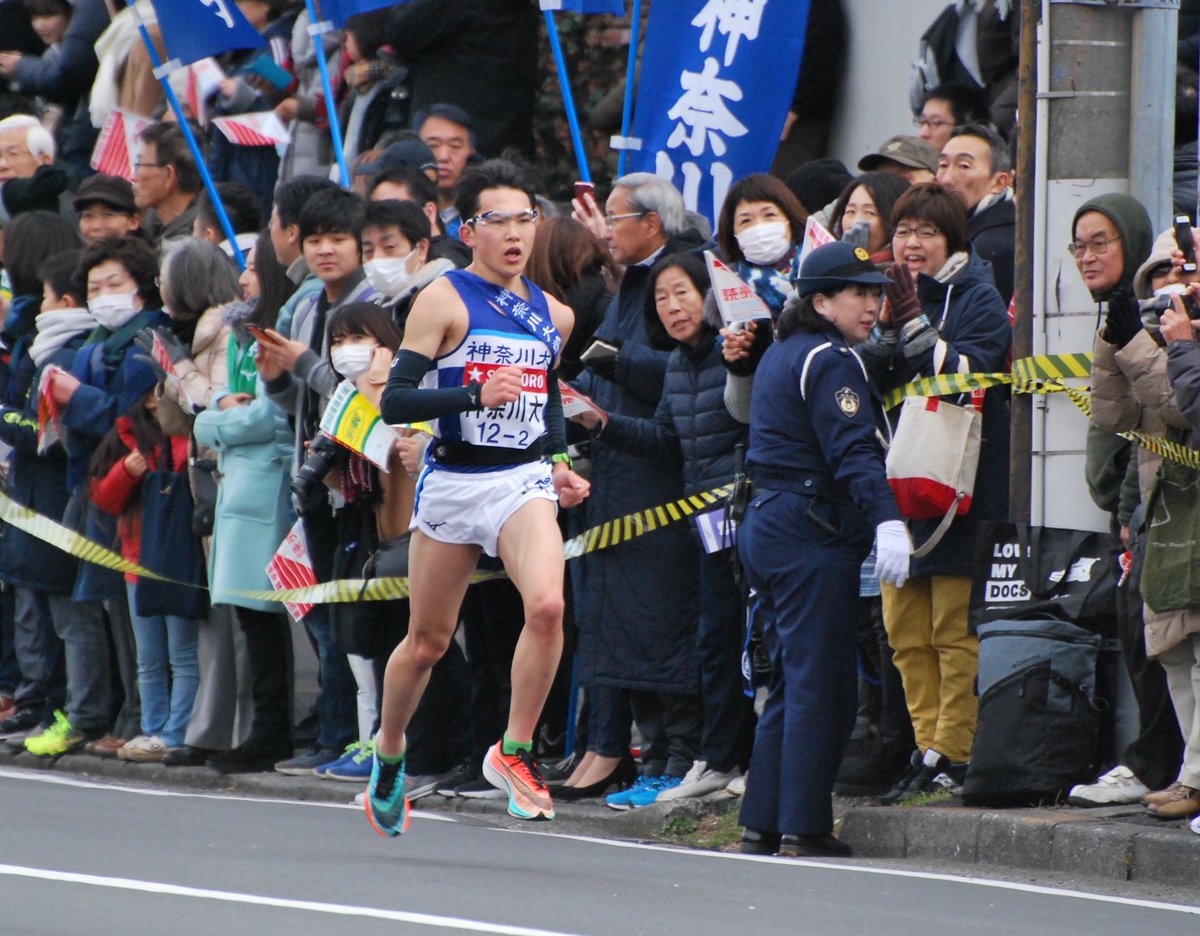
(337, 710)
(167, 694)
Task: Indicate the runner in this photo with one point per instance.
(479, 356)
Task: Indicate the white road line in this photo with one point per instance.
(863, 869)
(175, 890)
(38, 776)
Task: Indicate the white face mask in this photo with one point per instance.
(389, 274)
(766, 243)
(113, 311)
(352, 360)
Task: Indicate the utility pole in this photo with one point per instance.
(1105, 78)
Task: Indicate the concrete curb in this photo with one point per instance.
(1120, 843)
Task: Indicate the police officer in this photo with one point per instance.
(819, 496)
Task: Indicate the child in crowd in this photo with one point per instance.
(168, 673)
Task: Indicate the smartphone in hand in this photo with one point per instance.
(1183, 237)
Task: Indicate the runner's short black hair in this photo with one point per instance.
(492, 174)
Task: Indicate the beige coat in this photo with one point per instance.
(1131, 392)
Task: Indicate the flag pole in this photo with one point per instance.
(316, 29)
(635, 29)
(162, 73)
(560, 64)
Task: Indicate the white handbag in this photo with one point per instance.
(932, 461)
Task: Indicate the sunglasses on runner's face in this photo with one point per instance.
(500, 219)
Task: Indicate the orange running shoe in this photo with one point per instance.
(518, 776)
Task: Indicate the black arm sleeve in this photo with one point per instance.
(556, 426)
(404, 401)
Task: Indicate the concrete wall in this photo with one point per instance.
(884, 35)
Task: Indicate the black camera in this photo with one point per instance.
(309, 484)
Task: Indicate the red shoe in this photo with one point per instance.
(518, 776)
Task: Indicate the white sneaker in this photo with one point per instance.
(144, 749)
(1116, 788)
(700, 781)
(1195, 825)
(737, 786)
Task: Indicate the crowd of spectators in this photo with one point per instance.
(200, 473)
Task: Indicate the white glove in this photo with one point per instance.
(892, 551)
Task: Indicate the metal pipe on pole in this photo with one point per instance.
(1152, 109)
(1021, 439)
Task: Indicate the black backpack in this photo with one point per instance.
(1038, 728)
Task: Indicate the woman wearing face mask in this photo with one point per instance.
(863, 214)
(820, 497)
(759, 232)
(943, 315)
(376, 508)
(395, 243)
(119, 276)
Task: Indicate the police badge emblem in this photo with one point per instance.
(861, 254)
(847, 401)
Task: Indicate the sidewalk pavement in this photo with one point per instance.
(1120, 843)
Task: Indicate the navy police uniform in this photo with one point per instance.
(819, 491)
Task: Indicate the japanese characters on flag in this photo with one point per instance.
(117, 146)
(814, 236)
(262, 128)
(291, 567)
(717, 81)
(737, 302)
(196, 84)
(49, 426)
(574, 403)
(193, 29)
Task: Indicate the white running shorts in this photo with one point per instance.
(470, 508)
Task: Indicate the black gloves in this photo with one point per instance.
(1124, 319)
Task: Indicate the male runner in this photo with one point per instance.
(480, 353)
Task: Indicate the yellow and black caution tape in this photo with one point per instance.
(621, 529)
(603, 536)
(1042, 373)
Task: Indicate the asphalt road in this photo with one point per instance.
(85, 858)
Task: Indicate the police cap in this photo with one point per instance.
(835, 265)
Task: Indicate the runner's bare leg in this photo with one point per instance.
(439, 574)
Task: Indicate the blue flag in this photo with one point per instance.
(615, 7)
(195, 29)
(718, 78)
(338, 11)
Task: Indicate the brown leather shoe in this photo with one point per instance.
(106, 746)
(1164, 795)
(8, 708)
(1184, 804)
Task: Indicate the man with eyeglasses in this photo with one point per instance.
(946, 107)
(479, 359)
(636, 607)
(166, 184)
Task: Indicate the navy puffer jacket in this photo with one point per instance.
(691, 420)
